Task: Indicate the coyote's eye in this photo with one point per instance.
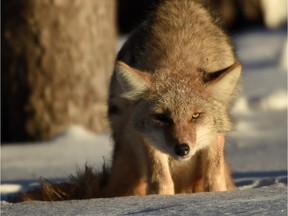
(162, 118)
(195, 116)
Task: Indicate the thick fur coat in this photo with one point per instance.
(173, 85)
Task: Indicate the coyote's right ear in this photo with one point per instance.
(132, 81)
(224, 85)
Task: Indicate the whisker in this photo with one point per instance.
(204, 136)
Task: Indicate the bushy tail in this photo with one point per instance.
(85, 185)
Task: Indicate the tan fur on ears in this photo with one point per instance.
(223, 87)
(132, 81)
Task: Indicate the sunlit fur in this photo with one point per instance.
(178, 63)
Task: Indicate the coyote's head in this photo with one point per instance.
(179, 112)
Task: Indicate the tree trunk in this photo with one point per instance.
(57, 58)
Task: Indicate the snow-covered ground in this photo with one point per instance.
(256, 150)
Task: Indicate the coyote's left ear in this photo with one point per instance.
(132, 81)
(224, 85)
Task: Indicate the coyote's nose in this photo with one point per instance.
(182, 149)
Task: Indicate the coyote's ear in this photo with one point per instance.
(133, 82)
(224, 85)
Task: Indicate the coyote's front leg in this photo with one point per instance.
(215, 170)
(159, 176)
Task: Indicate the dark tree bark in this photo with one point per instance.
(57, 58)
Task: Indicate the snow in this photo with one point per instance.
(248, 202)
(256, 151)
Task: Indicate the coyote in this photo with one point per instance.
(173, 85)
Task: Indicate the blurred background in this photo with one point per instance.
(58, 55)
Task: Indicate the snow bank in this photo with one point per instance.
(261, 201)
